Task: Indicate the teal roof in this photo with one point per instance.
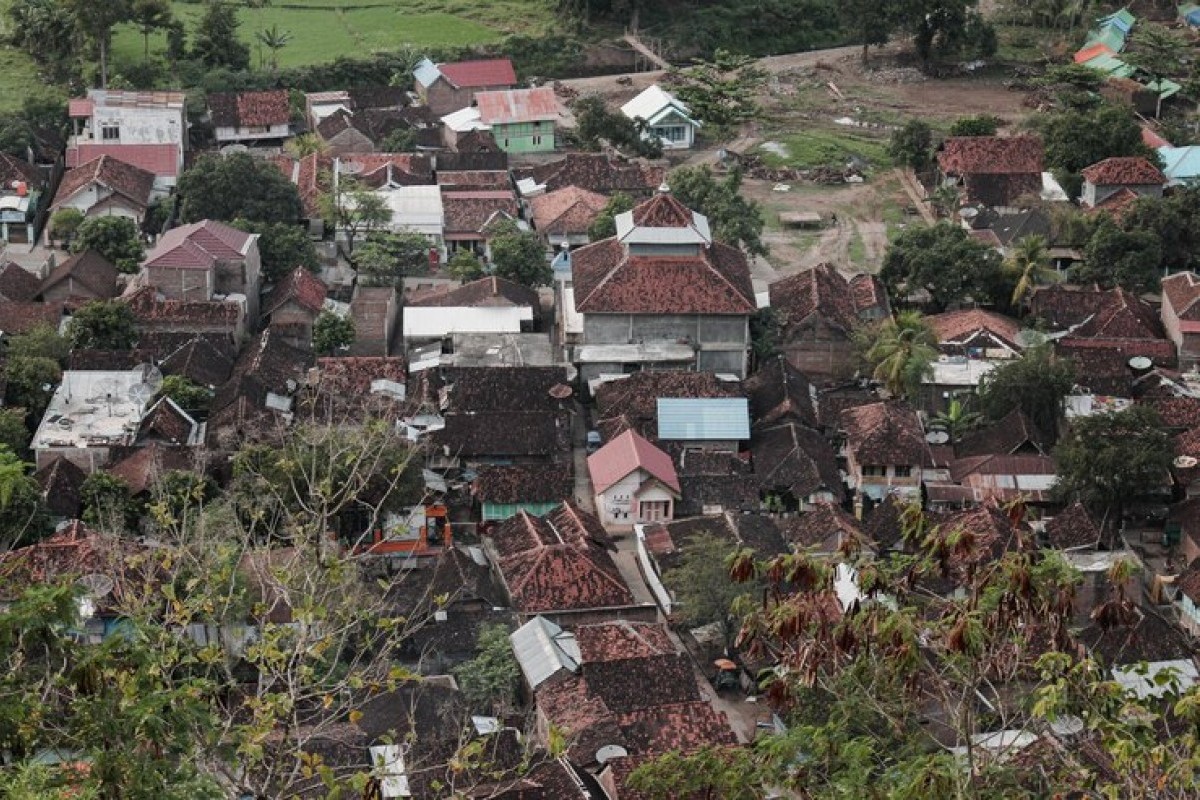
(701, 419)
(1110, 36)
(1120, 19)
(1109, 65)
(1165, 88)
(1180, 164)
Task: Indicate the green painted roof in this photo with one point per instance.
(1122, 19)
(1110, 36)
(1165, 88)
(1109, 65)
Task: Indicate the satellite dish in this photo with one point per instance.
(141, 393)
(560, 391)
(1185, 462)
(150, 375)
(95, 585)
(1140, 363)
(609, 752)
(937, 437)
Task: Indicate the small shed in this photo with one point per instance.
(801, 219)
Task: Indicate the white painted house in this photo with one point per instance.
(489, 305)
(634, 482)
(249, 117)
(145, 129)
(665, 116)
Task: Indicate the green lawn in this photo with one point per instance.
(825, 147)
(18, 73)
(335, 28)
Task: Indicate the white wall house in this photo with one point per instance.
(634, 482)
(145, 129)
(666, 118)
(438, 322)
(249, 116)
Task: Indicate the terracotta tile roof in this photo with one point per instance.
(74, 550)
(244, 109)
(150, 309)
(18, 284)
(1177, 412)
(1181, 291)
(884, 525)
(823, 527)
(89, 269)
(472, 162)
(821, 290)
(161, 160)
(760, 533)
(61, 482)
(200, 360)
(869, 292)
(484, 389)
(505, 434)
(381, 169)
(797, 459)
(166, 422)
(16, 169)
(163, 343)
(608, 279)
(1188, 582)
(885, 433)
(471, 211)
(475, 179)
(1012, 434)
(1115, 204)
(779, 392)
(636, 396)
(107, 360)
(24, 317)
(959, 326)
(512, 106)
(991, 155)
(1072, 528)
(832, 401)
(1149, 638)
(680, 727)
(266, 365)
(483, 72)
(567, 211)
(1124, 171)
(299, 286)
(199, 245)
(715, 479)
(127, 180)
(1102, 365)
(1112, 312)
(625, 454)
(991, 535)
(596, 173)
(355, 374)
(141, 467)
(558, 562)
(998, 472)
(525, 483)
(622, 639)
(489, 292)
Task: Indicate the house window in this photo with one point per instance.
(110, 132)
(871, 471)
(902, 472)
(654, 510)
(672, 133)
(537, 140)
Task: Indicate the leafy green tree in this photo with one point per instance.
(305, 145)
(107, 504)
(720, 92)
(150, 16)
(355, 210)
(48, 31)
(764, 335)
(520, 256)
(1113, 257)
(282, 247)
(1035, 383)
(1077, 138)
(237, 186)
(1028, 266)
(64, 224)
(189, 396)
(401, 140)
(178, 497)
(605, 223)
(215, 42)
(702, 587)
(1174, 221)
(22, 515)
(981, 125)
(465, 266)
(386, 258)
(13, 433)
(274, 40)
(945, 27)
(902, 354)
(958, 420)
(490, 679)
(870, 22)
(1108, 460)
(31, 383)
(332, 332)
(96, 21)
(1075, 86)
(40, 341)
(596, 123)
(945, 262)
(912, 145)
(1158, 51)
(736, 221)
(730, 773)
(102, 325)
(115, 238)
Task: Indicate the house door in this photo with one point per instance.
(654, 510)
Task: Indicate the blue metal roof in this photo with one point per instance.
(1182, 164)
(703, 419)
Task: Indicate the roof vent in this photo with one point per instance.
(1140, 364)
(663, 188)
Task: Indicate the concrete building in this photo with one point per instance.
(664, 117)
(145, 129)
(449, 87)
(91, 412)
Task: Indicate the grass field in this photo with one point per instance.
(817, 147)
(332, 28)
(18, 73)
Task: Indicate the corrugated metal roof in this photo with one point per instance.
(653, 103)
(426, 72)
(518, 105)
(709, 418)
(542, 649)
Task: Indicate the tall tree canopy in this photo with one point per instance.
(215, 42)
(115, 238)
(735, 220)
(237, 186)
(945, 262)
(1035, 384)
(1130, 259)
(901, 353)
(520, 256)
(102, 325)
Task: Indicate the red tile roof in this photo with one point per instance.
(523, 483)
(636, 397)
(566, 212)
(823, 527)
(780, 392)
(518, 105)
(470, 212)
(163, 160)
(149, 309)
(957, 326)
(1124, 171)
(142, 467)
(597, 173)
(486, 292)
(1182, 290)
(1151, 138)
(381, 169)
(300, 286)
(885, 433)
(623, 455)
(127, 180)
(484, 72)
(16, 169)
(199, 245)
(991, 155)
(1188, 582)
(78, 107)
(820, 290)
(1177, 412)
(558, 562)
(1115, 204)
(24, 317)
(89, 269)
(241, 109)
(18, 284)
(795, 458)
(1091, 51)
(61, 482)
(74, 550)
(609, 279)
(168, 423)
(622, 639)
(1072, 527)
(201, 361)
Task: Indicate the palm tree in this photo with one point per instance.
(149, 16)
(957, 420)
(274, 40)
(903, 352)
(305, 145)
(1029, 263)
